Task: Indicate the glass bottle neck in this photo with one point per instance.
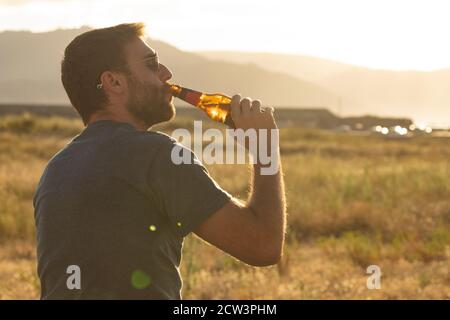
(185, 94)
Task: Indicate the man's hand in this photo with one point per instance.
(248, 114)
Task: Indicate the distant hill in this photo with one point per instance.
(425, 96)
(30, 64)
(30, 73)
(302, 66)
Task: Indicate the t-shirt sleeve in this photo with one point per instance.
(185, 192)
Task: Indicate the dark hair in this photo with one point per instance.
(87, 57)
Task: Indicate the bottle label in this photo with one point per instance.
(192, 97)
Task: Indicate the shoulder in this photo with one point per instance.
(170, 151)
(162, 146)
(162, 138)
(149, 139)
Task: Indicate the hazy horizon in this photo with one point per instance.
(242, 51)
(386, 35)
(352, 57)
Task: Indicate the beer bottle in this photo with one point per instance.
(216, 106)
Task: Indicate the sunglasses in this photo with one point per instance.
(151, 61)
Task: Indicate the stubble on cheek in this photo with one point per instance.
(150, 104)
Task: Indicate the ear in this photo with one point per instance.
(113, 82)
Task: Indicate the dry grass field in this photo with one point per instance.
(353, 201)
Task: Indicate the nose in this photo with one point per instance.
(164, 73)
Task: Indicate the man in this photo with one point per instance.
(112, 209)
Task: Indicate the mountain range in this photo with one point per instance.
(30, 73)
(424, 96)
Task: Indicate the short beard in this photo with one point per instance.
(149, 104)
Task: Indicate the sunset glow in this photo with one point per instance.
(384, 34)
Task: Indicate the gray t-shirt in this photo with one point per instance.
(112, 203)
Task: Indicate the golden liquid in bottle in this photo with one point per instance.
(216, 106)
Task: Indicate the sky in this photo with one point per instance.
(383, 34)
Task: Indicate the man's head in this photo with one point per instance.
(112, 72)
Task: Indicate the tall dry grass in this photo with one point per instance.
(352, 201)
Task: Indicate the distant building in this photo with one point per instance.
(319, 117)
(324, 119)
(306, 117)
(368, 122)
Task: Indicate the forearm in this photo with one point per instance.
(268, 203)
